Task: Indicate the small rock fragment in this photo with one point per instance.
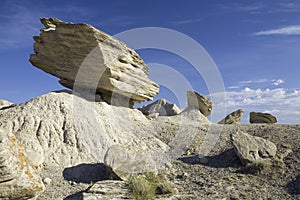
(47, 181)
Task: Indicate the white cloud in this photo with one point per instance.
(284, 104)
(278, 82)
(254, 81)
(288, 30)
(260, 82)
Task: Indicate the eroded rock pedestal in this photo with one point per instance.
(89, 60)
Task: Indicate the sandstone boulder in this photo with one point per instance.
(199, 101)
(18, 178)
(265, 118)
(85, 58)
(251, 149)
(233, 118)
(161, 106)
(131, 159)
(4, 103)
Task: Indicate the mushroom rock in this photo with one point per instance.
(88, 60)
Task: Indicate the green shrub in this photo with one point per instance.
(143, 186)
(165, 188)
(256, 167)
(146, 186)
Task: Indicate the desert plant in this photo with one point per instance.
(146, 186)
(256, 167)
(143, 186)
(165, 188)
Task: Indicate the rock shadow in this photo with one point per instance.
(293, 187)
(77, 195)
(8, 107)
(87, 173)
(225, 159)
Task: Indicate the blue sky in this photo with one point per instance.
(255, 45)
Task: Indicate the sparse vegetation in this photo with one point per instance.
(256, 167)
(146, 186)
(165, 188)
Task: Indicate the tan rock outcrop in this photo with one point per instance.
(162, 107)
(251, 149)
(83, 57)
(262, 118)
(132, 159)
(233, 118)
(61, 130)
(199, 101)
(18, 178)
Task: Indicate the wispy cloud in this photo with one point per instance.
(288, 30)
(262, 7)
(19, 22)
(281, 102)
(18, 25)
(187, 21)
(287, 6)
(239, 7)
(257, 82)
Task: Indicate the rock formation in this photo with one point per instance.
(85, 58)
(162, 107)
(265, 118)
(19, 179)
(199, 101)
(60, 130)
(4, 103)
(70, 142)
(63, 134)
(251, 149)
(233, 118)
